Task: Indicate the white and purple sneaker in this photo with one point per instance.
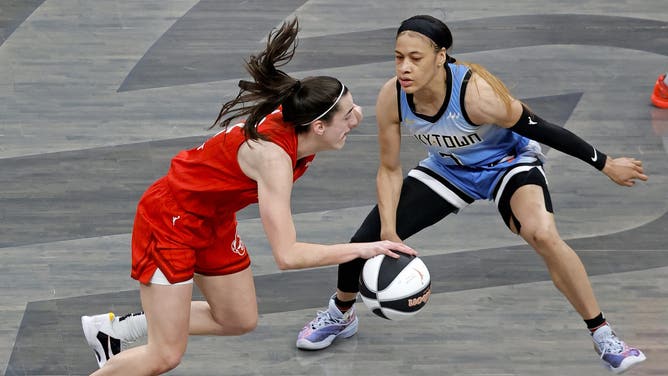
(326, 327)
(615, 354)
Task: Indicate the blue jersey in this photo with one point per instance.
(471, 160)
(449, 136)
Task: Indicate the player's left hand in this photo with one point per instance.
(624, 171)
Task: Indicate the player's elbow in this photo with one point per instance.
(283, 264)
(287, 262)
(388, 168)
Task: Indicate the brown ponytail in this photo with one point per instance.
(497, 85)
(302, 101)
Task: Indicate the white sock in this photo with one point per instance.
(130, 327)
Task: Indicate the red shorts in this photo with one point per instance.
(180, 244)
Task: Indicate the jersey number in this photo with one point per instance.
(454, 158)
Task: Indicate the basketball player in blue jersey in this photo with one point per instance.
(482, 144)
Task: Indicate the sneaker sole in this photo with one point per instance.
(626, 364)
(90, 332)
(304, 344)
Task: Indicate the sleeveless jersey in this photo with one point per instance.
(207, 181)
(450, 137)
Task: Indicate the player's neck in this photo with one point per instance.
(433, 93)
(306, 145)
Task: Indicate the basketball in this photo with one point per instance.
(395, 289)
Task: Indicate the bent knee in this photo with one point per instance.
(171, 361)
(246, 326)
(165, 359)
(237, 326)
(543, 237)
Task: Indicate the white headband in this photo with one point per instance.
(330, 107)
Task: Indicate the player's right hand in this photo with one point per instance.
(385, 247)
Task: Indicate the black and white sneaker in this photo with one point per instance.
(99, 336)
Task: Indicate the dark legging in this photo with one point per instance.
(419, 207)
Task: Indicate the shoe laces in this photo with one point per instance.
(325, 318)
(611, 345)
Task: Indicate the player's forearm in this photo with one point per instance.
(388, 189)
(308, 255)
(532, 126)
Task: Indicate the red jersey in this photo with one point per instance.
(186, 221)
(207, 181)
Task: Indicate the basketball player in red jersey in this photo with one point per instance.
(185, 226)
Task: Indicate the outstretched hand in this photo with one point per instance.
(385, 247)
(624, 171)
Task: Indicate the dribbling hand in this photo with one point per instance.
(385, 247)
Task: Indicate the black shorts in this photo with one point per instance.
(508, 185)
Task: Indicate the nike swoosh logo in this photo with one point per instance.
(595, 157)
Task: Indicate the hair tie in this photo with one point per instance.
(296, 86)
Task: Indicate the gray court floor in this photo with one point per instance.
(97, 95)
